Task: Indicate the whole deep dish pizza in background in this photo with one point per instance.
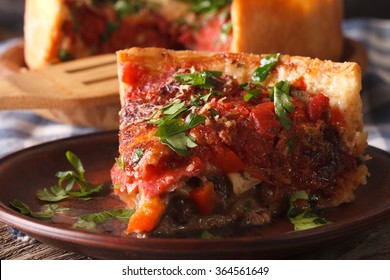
(60, 30)
(219, 141)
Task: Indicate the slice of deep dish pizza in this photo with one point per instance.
(218, 141)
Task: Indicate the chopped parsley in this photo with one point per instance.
(137, 155)
(64, 55)
(72, 178)
(303, 219)
(207, 6)
(245, 86)
(46, 213)
(255, 93)
(111, 26)
(173, 133)
(207, 235)
(60, 192)
(267, 64)
(203, 79)
(247, 207)
(290, 145)
(213, 112)
(123, 8)
(89, 221)
(225, 30)
(172, 130)
(120, 161)
(283, 104)
(169, 112)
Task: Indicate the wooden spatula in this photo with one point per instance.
(84, 82)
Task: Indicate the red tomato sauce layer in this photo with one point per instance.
(237, 136)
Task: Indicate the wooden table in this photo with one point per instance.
(373, 244)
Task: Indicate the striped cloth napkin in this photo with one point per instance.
(374, 34)
(21, 129)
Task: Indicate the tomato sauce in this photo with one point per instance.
(245, 136)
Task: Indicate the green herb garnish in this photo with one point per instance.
(46, 213)
(89, 221)
(123, 8)
(137, 155)
(71, 178)
(290, 145)
(170, 112)
(283, 104)
(213, 112)
(203, 79)
(207, 235)
(172, 133)
(111, 26)
(225, 30)
(207, 6)
(247, 206)
(303, 219)
(267, 64)
(255, 93)
(120, 161)
(64, 55)
(245, 86)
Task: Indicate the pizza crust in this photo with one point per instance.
(295, 27)
(42, 31)
(340, 82)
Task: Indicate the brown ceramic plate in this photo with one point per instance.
(23, 172)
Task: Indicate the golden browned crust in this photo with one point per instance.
(42, 31)
(295, 27)
(340, 82)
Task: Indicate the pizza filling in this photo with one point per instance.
(95, 27)
(200, 151)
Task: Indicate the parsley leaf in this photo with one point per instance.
(303, 219)
(255, 93)
(84, 225)
(204, 78)
(207, 6)
(120, 161)
(283, 105)
(171, 128)
(267, 64)
(104, 216)
(207, 235)
(213, 112)
(225, 30)
(170, 112)
(64, 55)
(245, 86)
(193, 120)
(54, 193)
(46, 213)
(172, 133)
(123, 8)
(89, 221)
(247, 206)
(174, 108)
(137, 155)
(111, 26)
(59, 192)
